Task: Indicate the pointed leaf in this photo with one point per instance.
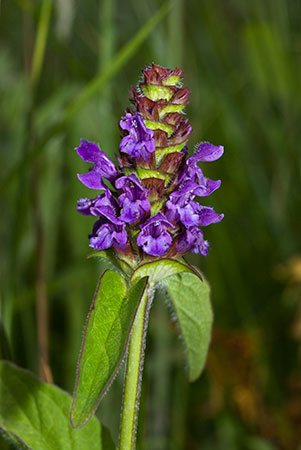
(35, 415)
(106, 337)
(159, 270)
(190, 296)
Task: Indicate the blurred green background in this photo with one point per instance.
(65, 71)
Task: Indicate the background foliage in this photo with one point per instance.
(62, 77)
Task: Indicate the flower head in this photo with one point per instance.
(154, 202)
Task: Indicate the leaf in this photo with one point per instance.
(190, 297)
(35, 415)
(106, 337)
(159, 270)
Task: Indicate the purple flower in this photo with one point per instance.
(134, 201)
(84, 205)
(103, 166)
(153, 177)
(108, 230)
(107, 233)
(193, 240)
(139, 143)
(208, 216)
(180, 204)
(192, 172)
(182, 208)
(154, 237)
(102, 205)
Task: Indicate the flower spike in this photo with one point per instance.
(154, 207)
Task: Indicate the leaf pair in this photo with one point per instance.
(112, 315)
(36, 415)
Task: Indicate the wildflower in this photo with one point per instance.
(133, 202)
(154, 237)
(192, 240)
(108, 232)
(139, 142)
(103, 166)
(153, 202)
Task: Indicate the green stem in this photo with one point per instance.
(134, 376)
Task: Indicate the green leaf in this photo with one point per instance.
(106, 337)
(190, 296)
(159, 270)
(35, 415)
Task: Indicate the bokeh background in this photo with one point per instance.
(65, 71)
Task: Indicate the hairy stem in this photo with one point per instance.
(134, 376)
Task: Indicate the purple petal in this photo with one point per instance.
(185, 241)
(208, 215)
(103, 239)
(154, 238)
(106, 206)
(91, 180)
(120, 239)
(139, 143)
(200, 245)
(172, 213)
(88, 151)
(155, 246)
(105, 234)
(189, 215)
(84, 206)
(208, 152)
(130, 211)
(106, 167)
(157, 220)
(133, 201)
(130, 182)
(193, 240)
(206, 187)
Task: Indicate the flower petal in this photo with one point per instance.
(155, 246)
(208, 152)
(91, 180)
(103, 239)
(88, 151)
(208, 215)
